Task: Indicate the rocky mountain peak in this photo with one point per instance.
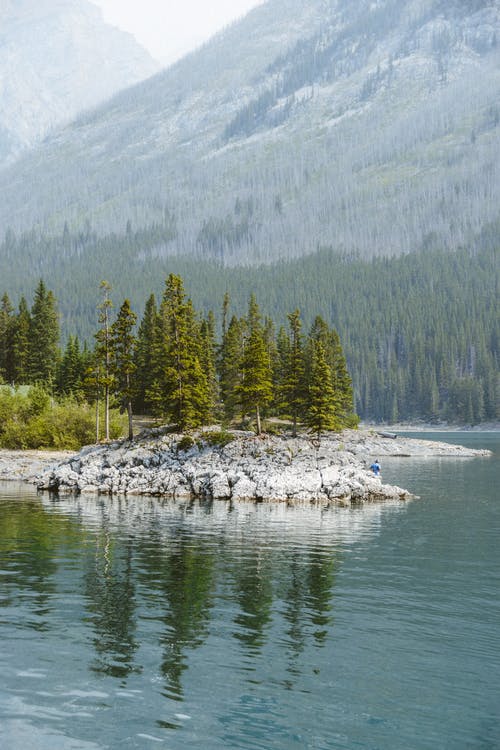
(58, 57)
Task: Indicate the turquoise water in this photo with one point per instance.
(142, 623)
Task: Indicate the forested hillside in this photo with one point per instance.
(420, 332)
(337, 156)
(371, 127)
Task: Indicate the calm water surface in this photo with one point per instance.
(142, 624)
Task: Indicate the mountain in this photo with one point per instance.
(371, 126)
(58, 57)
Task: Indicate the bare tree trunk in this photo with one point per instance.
(258, 419)
(130, 426)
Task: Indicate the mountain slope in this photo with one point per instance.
(368, 126)
(58, 57)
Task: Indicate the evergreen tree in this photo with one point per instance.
(144, 357)
(340, 379)
(321, 402)
(7, 325)
(294, 384)
(208, 356)
(71, 372)
(229, 366)
(122, 358)
(21, 343)
(43, 337)
(184, 386)
(280, 372)
(102, 376)
(256, 389)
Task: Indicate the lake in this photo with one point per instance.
(147, 623)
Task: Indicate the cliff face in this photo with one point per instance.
(57, 58)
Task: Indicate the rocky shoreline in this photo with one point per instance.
(267, 468)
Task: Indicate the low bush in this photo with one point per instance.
(35, 421)
(217, 437)
(185, 443)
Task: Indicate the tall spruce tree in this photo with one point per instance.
(294, 390)
(229, 366)
(280, 372)
(71, 372)
(7, 325)
(321, 402)
(256, 388)
(21, 343)
(184, 386)
(144, 357)
(102, 372)
(43, 337)
(208, 357)
(122, 359)
(340, 379)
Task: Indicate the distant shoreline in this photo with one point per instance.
(415, 427)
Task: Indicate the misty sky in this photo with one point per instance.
(169, 28)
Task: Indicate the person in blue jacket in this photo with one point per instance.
(375, 467)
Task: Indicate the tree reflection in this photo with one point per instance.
(29, 544)
(110, 594)
(183, 575)
(255, 596)
(320, 583)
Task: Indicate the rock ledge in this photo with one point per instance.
(267, 468)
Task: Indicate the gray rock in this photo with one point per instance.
(266, 468)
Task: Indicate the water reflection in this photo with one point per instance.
(165, 562)
(181, 578)
(137, 621)
(110, 595)
(142, 568)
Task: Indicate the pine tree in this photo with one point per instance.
(184, 386)
(256, 389)
(7, 324)
(321, 402)
(294, 384)
(21, 344)
(280, 372)
(208, 357)
(43, 337)
(102, 374)
(122, 342)
(71, 370)
(229, 366)
(340, 379)
(144, 356)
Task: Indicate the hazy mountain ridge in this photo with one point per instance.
(368, 126)
(58, 57)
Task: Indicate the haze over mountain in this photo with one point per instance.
(58, 57)
(368, 126)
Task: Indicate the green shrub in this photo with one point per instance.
(217, 437)
(185, 443)
(33, 421)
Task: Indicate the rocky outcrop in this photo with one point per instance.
(28, 465)
(332, 470)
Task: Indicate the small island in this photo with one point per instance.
(214, 464)
(285, 400)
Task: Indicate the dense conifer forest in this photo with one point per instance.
(173, 367)
(419, 333)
